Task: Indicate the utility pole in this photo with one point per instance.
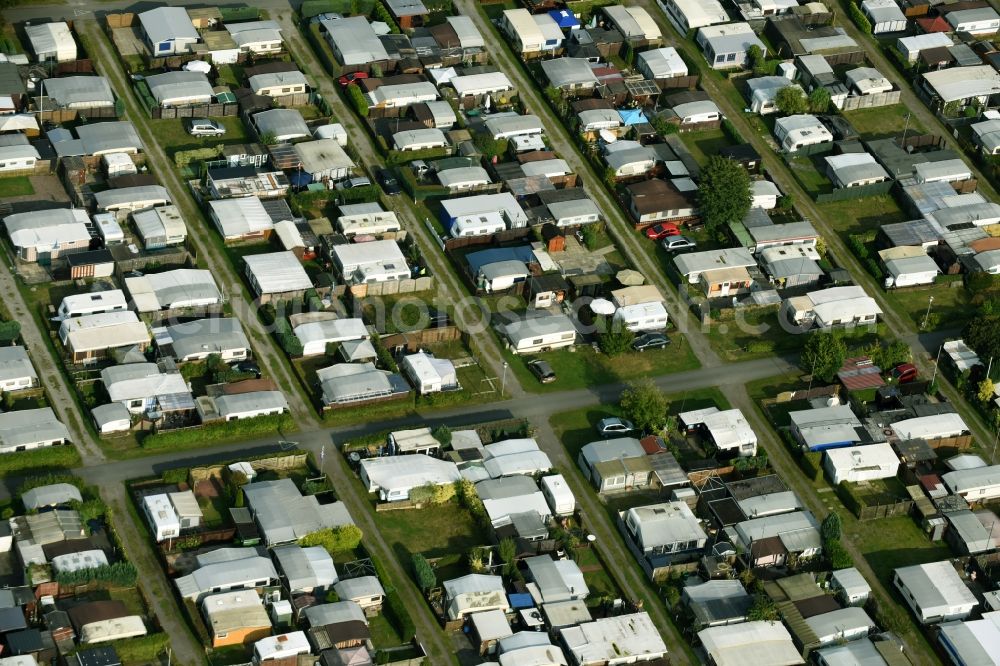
(930, 302)
(936, 359)
(503, 382)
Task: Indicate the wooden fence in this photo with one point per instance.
(505, 236)
(416, 339)
(199, 111)
(120, 20)
(877, 511)
(274, 463)
(392, 287)
(849, 193)
(856, 102)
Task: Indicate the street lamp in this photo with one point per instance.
(930, 302)
(503, 382)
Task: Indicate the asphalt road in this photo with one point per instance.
(535, 408)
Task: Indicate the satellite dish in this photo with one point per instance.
(602, 306)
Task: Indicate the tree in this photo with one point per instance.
(791, 100)
(357, 98)
(824, 355)
(423, 573)
(830, 528)
(442, 434)
(755, 58)
(9, 331)
(819, 100)
(890, 355)
(981, 335)
(763, 609)
(508, 553)
(645, 405)
(723, 193)
(614, 337)
(838, 555)
(334, 539)
(268, 138)
(986, 392)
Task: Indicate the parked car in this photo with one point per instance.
(387, 181)
(661, 231)
(542, 370)
(614, 426)
(360, 181)
(205, 127)
(650, 341)
(247, 366)
(348, 79)
(678, 244)
(325, 16)
(904, 373)
(420, 168)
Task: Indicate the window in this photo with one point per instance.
(286, 90)
(731, 57)
(720, 58)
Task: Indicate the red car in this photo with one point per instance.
(904, 373)
(661, 231)
(348, 79)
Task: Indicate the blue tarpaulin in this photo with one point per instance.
(520, 600)
(632, 116)
(565, 19)
(300, 178)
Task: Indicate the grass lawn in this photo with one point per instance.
(705, 143)
(949, 310)
(587, 367)
(15, 186)
(383, 633)
(231, 654)
(731, 338)
(435, 531)
(131, 597)
(577, 427)
(601, 585)
(858, 215)
(806, 169)
(883, 121)
(172, 135)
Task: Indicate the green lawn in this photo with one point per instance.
(858, 215)
(15, 186)
(435, 531)
(705, 143)
(883, 121)
(577, 427)
(595, 574)
(586, 367)
(172, 135)
(383, 633)
(950, 308)
(731, 338)
(808, 170)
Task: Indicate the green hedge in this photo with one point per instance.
(859, 17)
(118, 574)
(49, 479)
(393, 607)
(322, 48)
(216, 433)
(811, 463)
(141, 649)
(397, 157)
(850, 500)
(39, 460)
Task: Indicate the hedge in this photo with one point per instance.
(322, 48)
(49, 479)
(141, 649)
(850, 500)
(397, 157)
(858, 17)
(216, 433)
(44, 459)
(811, 463)
(393, 607)
(118, 574)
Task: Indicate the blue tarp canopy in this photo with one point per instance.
(632, 116)
(300, 178)
(565, 19)
(479, 259)
(520, 600)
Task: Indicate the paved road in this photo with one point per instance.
(272, 360)
(449, 291)
(620, 228)
(900, 326)
(49, 375)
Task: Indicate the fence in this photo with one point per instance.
(860, 192)
(274, 463)
(416, 339)
(71, 115)
(854, 103)
(506, 236)
(678, 82)
(122, 20)
(392, 287)
(85, 66)
(200, 111)
(877, 511)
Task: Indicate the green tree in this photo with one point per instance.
(791, 100)
(824, 355)
(268, 138)
(819, 100)
(890, 355)
(9, 331)
(837, 555)
(489, 146)
(334, 539)
(614, 337)
(986, 392)
(508, 554)
(755, 59)
(442, 434)
(423, 573)
(830, 528)
(981, 335)
(645, 405)
(723, 193)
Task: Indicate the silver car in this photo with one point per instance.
(205, 127)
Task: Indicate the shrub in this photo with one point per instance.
(48, 480)
(433, 493)
(334, 539)
(837, 555)
(214, 433)
(733, 134)
(442, 434)
(9, 331)
(357, 99)
(859, 17)
(176, 475)
(395, 612)
(830, 527)
(423, 573)
(760, 346)
(39, 460)
(119, 574)
(811, 463)
(229, 376)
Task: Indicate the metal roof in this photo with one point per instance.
(247, 571)
(165, 24)
(140, 380)
(179, 288)
(282, 124)
(30, 426)
(15, 364)
(179, 84)
(284, 514)
(51, 495)
(240, 403)
(127, 196)
(214, 335)
(355, 40)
